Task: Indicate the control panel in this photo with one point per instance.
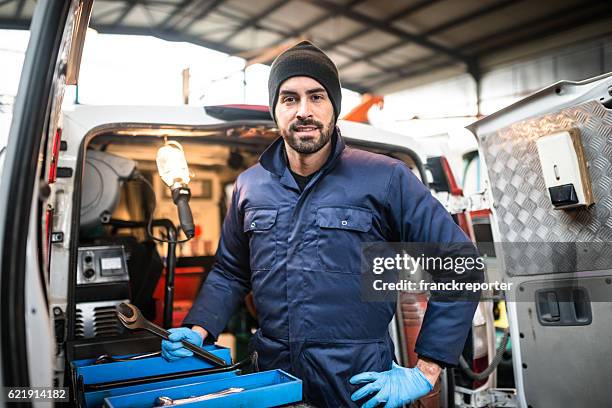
(101, 264)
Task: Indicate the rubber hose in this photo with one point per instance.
(496, 360)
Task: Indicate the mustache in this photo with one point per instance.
(309, 122)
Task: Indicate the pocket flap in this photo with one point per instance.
(259, 219)
(349, 218)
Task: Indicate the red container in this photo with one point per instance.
(187, 282)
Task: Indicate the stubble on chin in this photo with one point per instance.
(310, 146)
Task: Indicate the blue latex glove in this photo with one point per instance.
(173, 349)
(395, 387)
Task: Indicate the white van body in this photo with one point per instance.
(37, 277)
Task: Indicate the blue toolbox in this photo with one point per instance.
(258, 390)
(125, 381)
(94, 382)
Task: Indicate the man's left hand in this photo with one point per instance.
(393, 388)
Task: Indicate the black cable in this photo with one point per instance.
(142, 178)
(494, 363)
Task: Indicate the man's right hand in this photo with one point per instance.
(172, 349)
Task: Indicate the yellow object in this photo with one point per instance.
(502, 321)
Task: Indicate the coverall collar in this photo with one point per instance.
(273, 158)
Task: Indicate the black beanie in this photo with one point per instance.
(305, 59)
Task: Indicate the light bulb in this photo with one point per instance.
(171, 165)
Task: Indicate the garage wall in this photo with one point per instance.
(505, 84)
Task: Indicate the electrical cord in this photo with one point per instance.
(142, 178)
(494, 363)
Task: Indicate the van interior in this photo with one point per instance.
(130, 247)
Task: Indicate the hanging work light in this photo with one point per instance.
(173, 170)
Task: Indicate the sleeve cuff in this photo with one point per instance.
(441, 363)
(212, 335)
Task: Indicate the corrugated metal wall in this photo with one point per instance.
(503, 85)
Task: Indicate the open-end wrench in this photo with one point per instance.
(107, 358)
(132, 319)
(169, 402)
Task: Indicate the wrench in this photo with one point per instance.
(107, 358)
(167, 401)
(132, 319)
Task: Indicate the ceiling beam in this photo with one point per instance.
(126, 10)
(469, 17)
(442, 27)
(285, 35)
(203, 13)
(107, 12)
(578, 19)
(369, 56)
(173, 35)
(180, 8)
(400, 14)
(560, 15)
(331, 13)
(252, 22)
(354, 86)
(19, 9)
(423, 62)
(402, 72)
(382, 26)
(168, 35)
(411, 74)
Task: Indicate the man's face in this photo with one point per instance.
(304, 114)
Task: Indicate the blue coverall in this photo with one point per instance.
(299, 252)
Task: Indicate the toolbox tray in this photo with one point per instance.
(263, 389)
(85, 373)
(124, 370)
(95, 399)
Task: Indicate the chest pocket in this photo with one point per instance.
(341, 232)
(260, 225)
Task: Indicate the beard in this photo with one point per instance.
(308, 145)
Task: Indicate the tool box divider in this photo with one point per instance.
(123, 370)
(95, 399)
(85, 372)
(261, 390)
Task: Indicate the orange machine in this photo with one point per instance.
(360, 112)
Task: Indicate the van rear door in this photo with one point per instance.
(557, 259)
(57, 33)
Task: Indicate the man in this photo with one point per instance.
(292, 235)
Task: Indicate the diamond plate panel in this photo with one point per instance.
(522, 204)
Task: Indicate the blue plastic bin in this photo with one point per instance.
(264, 389)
